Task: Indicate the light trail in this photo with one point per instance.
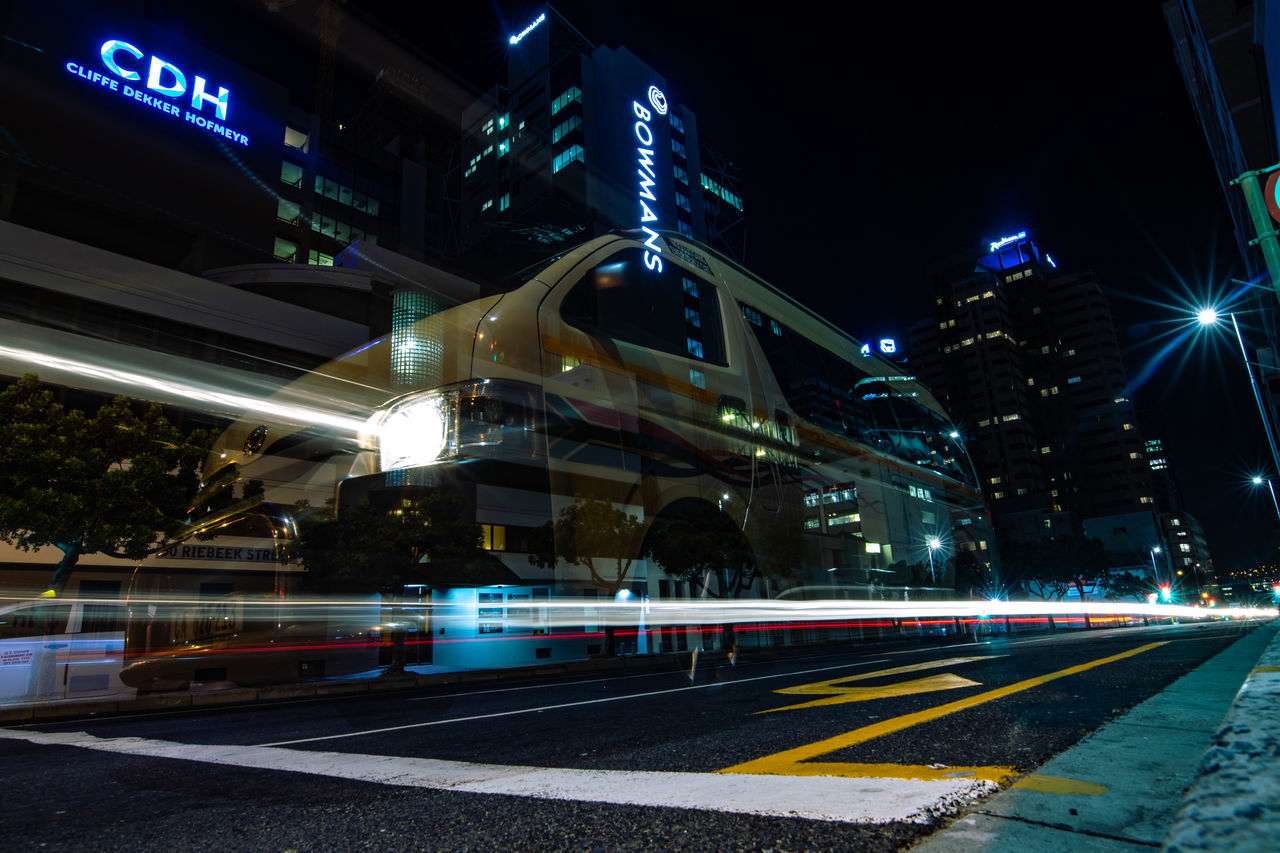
(572, 611)
(205, 395)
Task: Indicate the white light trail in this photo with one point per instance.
(129, 380)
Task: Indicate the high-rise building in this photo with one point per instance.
(581, 140)
(1025, 358)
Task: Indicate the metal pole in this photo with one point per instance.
(1257, 397)
(1274, 502)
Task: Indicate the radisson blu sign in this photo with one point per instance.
(156, 83)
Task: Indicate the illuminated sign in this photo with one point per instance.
(1004, 241)
(1049, 258)
(515, 39)
(165, 88)
(648, 177)
(888, 346)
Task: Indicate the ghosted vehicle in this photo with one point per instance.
(652, 371)
(241, 624)
(61, 649)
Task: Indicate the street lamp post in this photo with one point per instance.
(1155, 570)
(1209, 317)
(1258, 481)
(934, 544)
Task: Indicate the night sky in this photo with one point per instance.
(876, 139)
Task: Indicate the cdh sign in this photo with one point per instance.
(164, 88)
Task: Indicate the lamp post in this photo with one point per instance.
(1258, 481)
(1209, 317)
(934, 544)
(1155, 570)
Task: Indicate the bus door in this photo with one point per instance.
(589, 389)
(661, 325)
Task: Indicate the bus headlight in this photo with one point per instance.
(413, 433)
(425, 428)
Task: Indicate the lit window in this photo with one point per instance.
(873, 547)
(291, 173)
(287, 211)
(1135, 455)
(573, 154)
(698, 379)
(504, 202)
(298, 139)
(488, 204)
(571, 95)
(493, 537)
(1146, 500)
(1073, 380)
(1044, 449)
(285, 251)
(1130, 426)
(1184, 547)
(566, 127)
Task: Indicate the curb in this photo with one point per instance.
(1234, 803)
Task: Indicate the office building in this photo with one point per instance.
(580, 140)
(1024, 356)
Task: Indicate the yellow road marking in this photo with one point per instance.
(1264, 669)
(836, 694)
(792, 762)
(1059, 785)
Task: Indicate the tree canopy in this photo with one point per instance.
(115, 481)
(594, 534)
(1055, 564)
(384, 548)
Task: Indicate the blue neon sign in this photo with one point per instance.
(165, 88)
(1004, 241)
(515, 39)
(648, 177)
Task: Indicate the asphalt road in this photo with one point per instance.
(870, 748)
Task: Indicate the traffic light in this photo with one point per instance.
(1166, 593)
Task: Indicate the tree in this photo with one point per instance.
(117, 481)
(1058, 563)
(384, 548)
(596, 535)
(698, 542)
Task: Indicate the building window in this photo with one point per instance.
(682, 202)
(681, 175)
(504, 202)
(493, 537)
(285, 251)
(1073, 380)
(320, 259)
(572, 95)
(873, 547)
(565, 127)
(571, 155)
(291, 173)
(488, 204)
(287, 211)
(298, 139)
(677, 122)
(677, 147)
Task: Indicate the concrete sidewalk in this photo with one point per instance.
(1120, 788)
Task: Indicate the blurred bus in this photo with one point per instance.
(656, 373)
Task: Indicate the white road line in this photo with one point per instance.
(855, 800)
(517, 711)
(663, 673)
(617, 678)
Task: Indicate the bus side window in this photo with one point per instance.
(668, 311)
(34, 621)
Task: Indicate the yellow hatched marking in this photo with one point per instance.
(835, 693)
(795, 762)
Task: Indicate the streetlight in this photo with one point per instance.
(1258, 481)
(934, 544)
(1155, 570)
(1209, 317)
